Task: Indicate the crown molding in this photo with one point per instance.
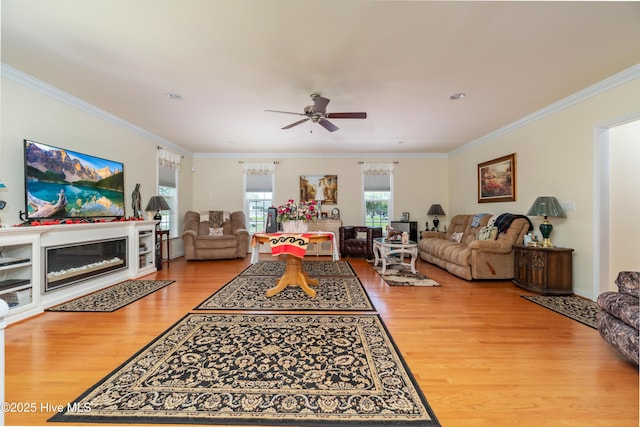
(614, 81)
(31, 82)
(320, 155)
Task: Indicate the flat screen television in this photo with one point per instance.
(61, 183)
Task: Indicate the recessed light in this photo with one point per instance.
(457, 96)
(174, 96)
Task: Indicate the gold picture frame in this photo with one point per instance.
(323, 188)
(497, 180)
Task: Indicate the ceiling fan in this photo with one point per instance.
(317, 113)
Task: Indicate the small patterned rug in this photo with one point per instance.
(249, 293)
(259, 369)
(401, 275)
(577, 308)
(313, 268)
(114, 297)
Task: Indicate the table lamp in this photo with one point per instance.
(157, 203)
(436, 210)
(546, 206)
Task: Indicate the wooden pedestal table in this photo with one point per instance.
(294, 274)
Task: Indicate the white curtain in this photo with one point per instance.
(259, 169)
(168, 159)
(382, 169)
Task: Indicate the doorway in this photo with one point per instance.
(617, 204)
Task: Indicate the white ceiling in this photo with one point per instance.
(399, 61)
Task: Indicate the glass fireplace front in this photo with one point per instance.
(69, 264)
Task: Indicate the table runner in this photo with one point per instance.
(255, 244)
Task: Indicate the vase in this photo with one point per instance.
(295, 226)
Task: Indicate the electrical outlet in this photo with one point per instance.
(568, 205)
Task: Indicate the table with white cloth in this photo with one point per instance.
(293, 246)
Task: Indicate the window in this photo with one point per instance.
(167, 188)
(168, 168)
(258, 203)
(258, 194)
(377, 185)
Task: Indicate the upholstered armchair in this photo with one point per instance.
(618, 319)
(215, 235)
(357, 240)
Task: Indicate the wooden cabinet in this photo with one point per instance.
(324, 248)
(546, 271)
(410, 227)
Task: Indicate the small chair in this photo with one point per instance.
(356, 240)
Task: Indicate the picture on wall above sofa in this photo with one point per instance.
(497, 180)
(321, 188)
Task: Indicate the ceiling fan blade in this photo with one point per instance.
(296, 123)
(320, 104)
(328, 125)
(285, 112)
(347, 115)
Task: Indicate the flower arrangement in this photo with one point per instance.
(302, 211)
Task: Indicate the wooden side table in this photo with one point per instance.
(159, 236)
(546, 271)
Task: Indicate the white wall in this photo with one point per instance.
(33, 114)
(418, 183)
(555, 157)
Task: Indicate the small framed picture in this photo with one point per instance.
(405, 217)
(324, 215)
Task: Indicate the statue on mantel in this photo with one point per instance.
(136, 202)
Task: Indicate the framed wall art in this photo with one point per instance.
(323, 188)
(497, 180)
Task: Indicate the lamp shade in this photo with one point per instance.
(157, 203)
(436, 210)
(547, 206)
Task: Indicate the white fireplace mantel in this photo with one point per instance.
(29, 243)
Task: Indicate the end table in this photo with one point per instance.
(545, 271)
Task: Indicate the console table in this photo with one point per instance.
(160, 236)
(546, 271)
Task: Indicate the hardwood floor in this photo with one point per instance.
(482, 355)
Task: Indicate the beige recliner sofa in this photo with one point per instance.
(215, 235)
(476, 255)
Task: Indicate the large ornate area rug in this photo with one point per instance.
(401, 275)
(296, 370)
(579, 309)
(313, 268)
(114, 297)
(249, 293)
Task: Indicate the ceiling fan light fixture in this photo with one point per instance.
(457, 96)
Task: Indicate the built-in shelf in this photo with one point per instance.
(22, 275)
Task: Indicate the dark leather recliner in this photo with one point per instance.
(357, 240)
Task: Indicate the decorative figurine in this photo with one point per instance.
(136, 202)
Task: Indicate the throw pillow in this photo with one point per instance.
(216, 219)
(217, 231)
(361, 235)
(456, 237)
(488, 233)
